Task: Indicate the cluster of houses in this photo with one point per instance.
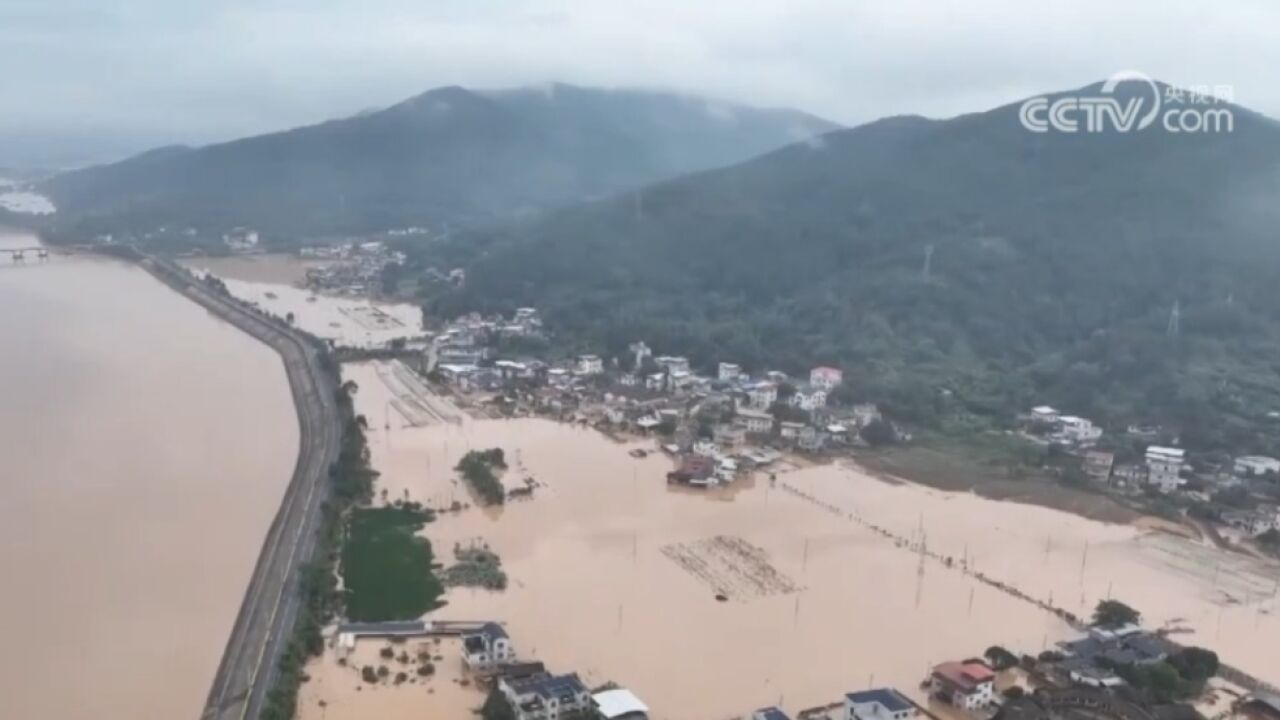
(966, 685)
(1162, 468)
(718, 424)
(356, 269)
(535, 694)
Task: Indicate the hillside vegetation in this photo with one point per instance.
(445, 158)
(1055, 264)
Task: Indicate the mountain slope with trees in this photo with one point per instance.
(450, 156)
(960, 270)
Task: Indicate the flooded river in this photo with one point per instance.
(144, 448)
(614, 574)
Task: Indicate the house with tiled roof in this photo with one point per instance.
(967, 685)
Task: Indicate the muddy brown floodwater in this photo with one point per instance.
(614, 574)
(274, 283)
(144, 448)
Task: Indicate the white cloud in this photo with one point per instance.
(223, 68)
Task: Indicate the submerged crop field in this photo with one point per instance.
(386, 567)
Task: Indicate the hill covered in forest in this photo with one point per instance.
(959, 270)
(448, 157)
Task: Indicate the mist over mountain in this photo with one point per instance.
(447, 157)
(959, 270)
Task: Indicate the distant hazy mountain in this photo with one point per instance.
(958, 269)
(450, 155)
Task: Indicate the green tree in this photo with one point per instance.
(1113, 613)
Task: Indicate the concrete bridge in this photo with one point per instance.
(22, 253)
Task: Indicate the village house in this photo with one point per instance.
(865, 413)
(811, 439)
(775, 376)
(1251, 466)
(487, 648)
(1252, 522)
(762, 395)
(1097, 465)
(790, 430)
(589, 365)
(1129, 475)
(809, 398)
(728, 372)
(1078, 431)
(672, 363)
(825, 377)
(878, 704)
(546, 697)
(1164, 467)
(753, 421)
(966, 685)
(1044, 414)
(656, 381)
(729, 436)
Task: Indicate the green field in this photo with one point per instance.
(386, 568)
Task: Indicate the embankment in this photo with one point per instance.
(270, 607)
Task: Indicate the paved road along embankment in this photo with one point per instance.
(270, 606)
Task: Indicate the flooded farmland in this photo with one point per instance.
(615, 575)
(128, 531)
(274, 283)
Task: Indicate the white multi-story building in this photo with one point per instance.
(762, 395)
(546, 697)
(487, 648)
(728, 372)
(809, 398)
(1164, 467)
(753, 421)
(590, 365)
(1078, 430)
(1255, 466)
(673, 363)
(825, 377)
(878, 704)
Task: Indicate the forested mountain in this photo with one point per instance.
(449, 156)
(960, 270)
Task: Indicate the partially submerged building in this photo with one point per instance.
(487, 648)
(546, 697)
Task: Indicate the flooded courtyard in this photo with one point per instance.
(710, 604)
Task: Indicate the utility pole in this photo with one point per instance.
(928, 262)
(1175, 316)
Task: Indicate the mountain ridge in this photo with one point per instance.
(445, 156)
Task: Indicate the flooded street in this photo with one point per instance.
(614, 574)
(274, 282)
(144, 448)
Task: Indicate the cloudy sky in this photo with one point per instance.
(130, 73)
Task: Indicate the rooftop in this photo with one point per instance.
(892, 700)
(547, 686)
(966, 676)
(618, 703)
(771, 713)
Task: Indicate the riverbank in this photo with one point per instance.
(262, 629)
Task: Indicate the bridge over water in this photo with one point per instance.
(20, 254)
